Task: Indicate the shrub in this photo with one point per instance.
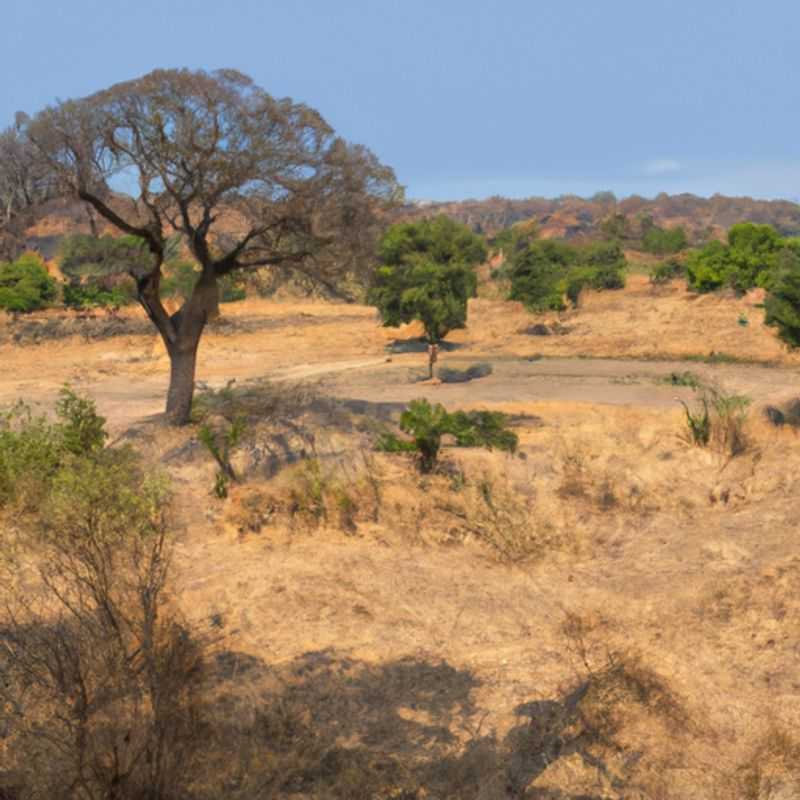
(719, 420)
(662, 242)
(427, 424)
(99, 269)
(220, 443)
(668, 270)
(698, 422)
(537, 272)
(231, 290)
(97, 667)
(546, 271)
(33, 449)
(102, 294)
(751, 258)
(25, 284)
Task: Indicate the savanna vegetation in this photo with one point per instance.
(304, 201)
(122, 677)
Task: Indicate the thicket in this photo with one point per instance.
(667, 270)
(755, 255)
(664, 241)
(545, 272)
(25, 284)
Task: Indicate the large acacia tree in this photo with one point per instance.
(248, 180)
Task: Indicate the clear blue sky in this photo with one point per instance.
(470, 98)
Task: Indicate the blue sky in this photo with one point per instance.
(469, 99)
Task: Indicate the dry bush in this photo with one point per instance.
(253, 400)
(507, 521)
(316, 492)
(719, 420)
(770, 772)
(101, 677)
(595, 488)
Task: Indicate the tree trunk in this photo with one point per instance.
(183, 361)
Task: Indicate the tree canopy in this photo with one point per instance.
(546, 271)
(750, 258)
(248, 181)
(427, 274)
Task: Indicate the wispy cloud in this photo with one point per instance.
(662, 166)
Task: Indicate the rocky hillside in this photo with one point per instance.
(567, 217)
(572, 217)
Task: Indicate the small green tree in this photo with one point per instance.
(25, 284)
(427, 424)
(427, 274)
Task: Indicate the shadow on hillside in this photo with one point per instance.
(326, 725)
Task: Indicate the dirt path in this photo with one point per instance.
(125, 395)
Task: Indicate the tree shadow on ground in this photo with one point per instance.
(329, 726)
(420, 345)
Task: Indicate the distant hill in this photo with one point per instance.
(571, 217)
(567, 217)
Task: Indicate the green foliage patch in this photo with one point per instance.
(426, 424)
(25, 284)
(34, 449)
(753, 256)
(546, 272)
(427, 274)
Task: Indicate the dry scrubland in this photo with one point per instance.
(609, 613)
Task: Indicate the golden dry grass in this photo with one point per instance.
(417, 625)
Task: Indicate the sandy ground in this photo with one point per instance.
(691, 563)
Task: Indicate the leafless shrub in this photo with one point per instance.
(100, 678)
(770, 772)
(506, 521)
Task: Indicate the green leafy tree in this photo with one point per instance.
(537, 273)
(427, 274)
(25, 284)
(200, 147)
(516, 238)
(422, 289)
(439, 239)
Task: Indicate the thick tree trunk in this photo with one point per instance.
(181, 334)
(183, 362)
